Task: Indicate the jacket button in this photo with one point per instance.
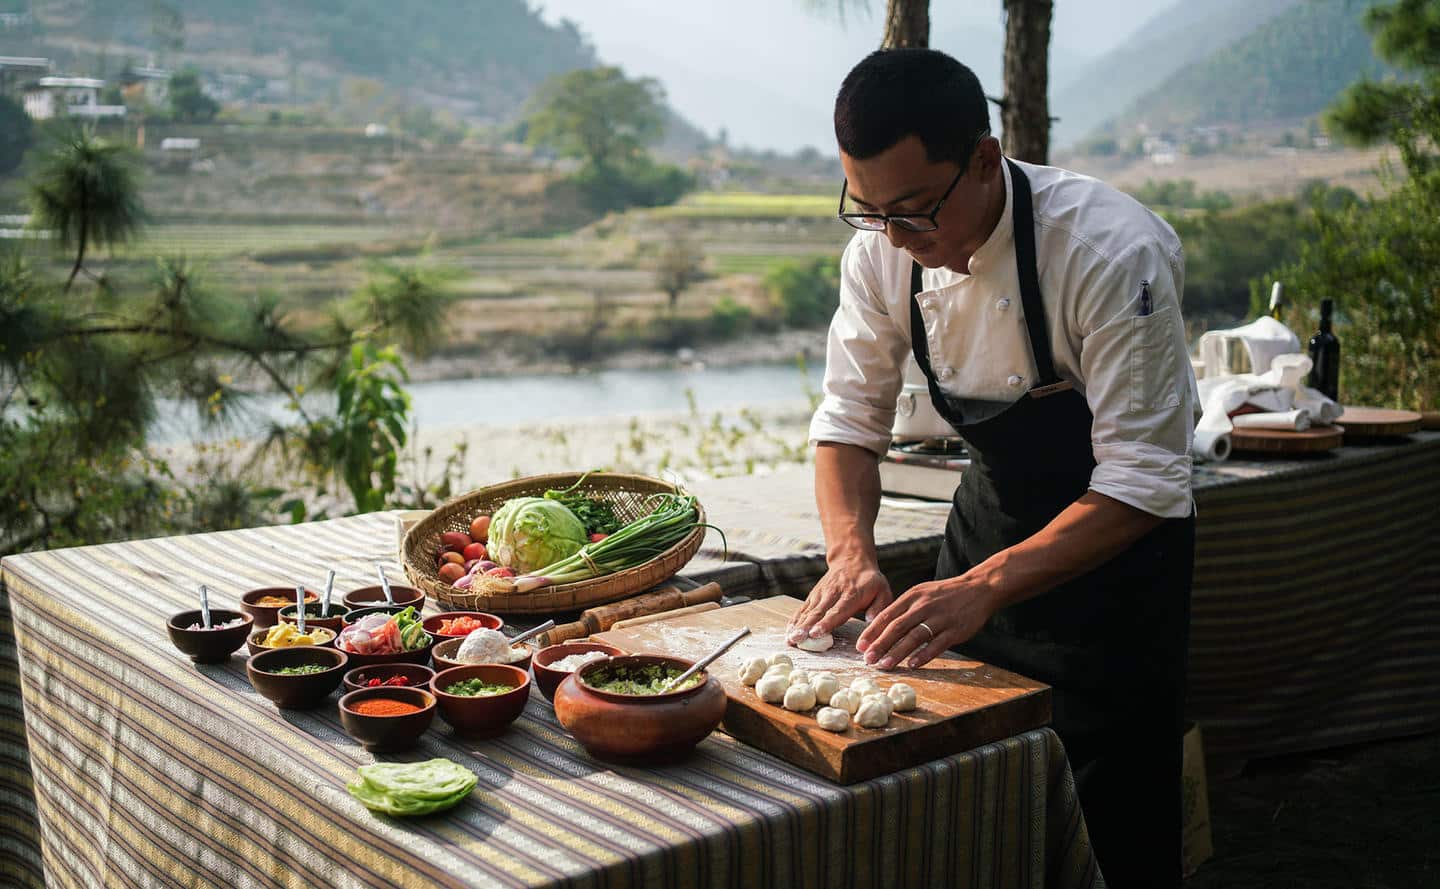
(947, 372)
(928, 304)
(1003, 304)
(1015, 380)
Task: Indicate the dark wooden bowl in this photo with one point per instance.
(374, 595)
(355, 614)
(482, 717)
(388, 734)
(336, 620)
(639, 728)
(547, 679)
(444, 655)
(432, 624)
(267, 615)
(419, 656)
(209, 646)
(296, 692)
(418, 674)
(255, 648)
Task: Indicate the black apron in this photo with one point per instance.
(1112, 644)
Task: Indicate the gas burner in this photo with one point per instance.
(952, 446)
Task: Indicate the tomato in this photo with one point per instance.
(475, 551)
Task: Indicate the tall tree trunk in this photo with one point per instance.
(907, 24)
(1025, 114)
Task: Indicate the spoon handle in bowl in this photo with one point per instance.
(532, 632)
(707, 659)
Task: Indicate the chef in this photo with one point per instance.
(1043, 308)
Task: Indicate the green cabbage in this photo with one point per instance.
(531, 532)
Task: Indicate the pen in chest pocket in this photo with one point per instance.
(1146, 306)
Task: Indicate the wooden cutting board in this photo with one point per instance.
(962, 703)
(1378, 422)
(1279, 441)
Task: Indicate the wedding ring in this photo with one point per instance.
(927, 629)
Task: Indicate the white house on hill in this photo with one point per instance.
(78, 96)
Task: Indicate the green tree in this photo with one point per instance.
(679, 265)
(1377, 259)
(598, 115)
(806, 292)
(16, 134)
(188, 100)
(87, 192)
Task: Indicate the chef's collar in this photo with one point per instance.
(997, 248)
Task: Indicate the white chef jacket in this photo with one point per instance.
(1094, 246)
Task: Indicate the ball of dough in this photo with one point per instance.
(833, 720)
(865, 685)
(825, 685)
(902, 696)
(779, 670)
(799, 697)
(872, 713)
(820, 643)
(883, 700)
(771, 689)
(753, 670)
(781, 659)
(847, 699)
(799, 677)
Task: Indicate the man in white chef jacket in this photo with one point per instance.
(1044, 309)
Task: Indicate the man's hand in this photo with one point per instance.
(845, 590)
(926, 620)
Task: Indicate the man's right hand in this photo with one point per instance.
(846, 589)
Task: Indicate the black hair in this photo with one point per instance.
(894, 93)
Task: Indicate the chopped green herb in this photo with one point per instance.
(647, 680)
(475, 688)
(300, 670)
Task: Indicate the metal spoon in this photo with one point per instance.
(707, 659)
(205, 606)
(300, 609)
(329, 588)
(384, 584)
(532, 633)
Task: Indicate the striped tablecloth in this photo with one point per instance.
(149, 770)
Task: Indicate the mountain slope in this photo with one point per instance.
(1180, 35)
(1287, 69)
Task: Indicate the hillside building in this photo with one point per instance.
(74, 96)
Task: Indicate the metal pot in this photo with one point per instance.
(915, 415)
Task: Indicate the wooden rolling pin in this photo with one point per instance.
(664, 615)
(602, 617)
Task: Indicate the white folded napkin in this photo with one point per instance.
(1280, 390)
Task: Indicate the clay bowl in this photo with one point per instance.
(253, 646)
(296, 692)
(638, 729)
(336, 620)
(487, 716)
(268, 615)
(388, 734)
(419, 656)
(355, 614)
(418, 674)
(432, 624)
(547, 679)
(209, 646)
(445, 652)
(374, 595)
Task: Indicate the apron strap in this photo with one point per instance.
(1027, 268)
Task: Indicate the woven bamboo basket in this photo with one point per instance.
(626, 492)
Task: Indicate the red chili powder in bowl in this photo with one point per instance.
(383, 707)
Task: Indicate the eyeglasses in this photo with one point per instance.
(915, 222)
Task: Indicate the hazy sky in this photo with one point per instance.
(767, 70)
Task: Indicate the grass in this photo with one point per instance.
(747, 205)
(202, 241)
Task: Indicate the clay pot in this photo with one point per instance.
(292, 692)
(639, 729)
(388, 734)
(432, 623)
(209, 646)
(445, 652)
(482, 716)
(418, 675)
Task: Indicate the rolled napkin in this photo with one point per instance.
(1211, 445)
(1288, 421)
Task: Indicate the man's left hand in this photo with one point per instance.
(926, 620)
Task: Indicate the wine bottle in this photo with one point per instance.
(1325, 355)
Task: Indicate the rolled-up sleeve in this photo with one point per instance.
(1139, 383)
(864, 357)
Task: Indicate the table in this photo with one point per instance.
(1316, 603)
(149, 769)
